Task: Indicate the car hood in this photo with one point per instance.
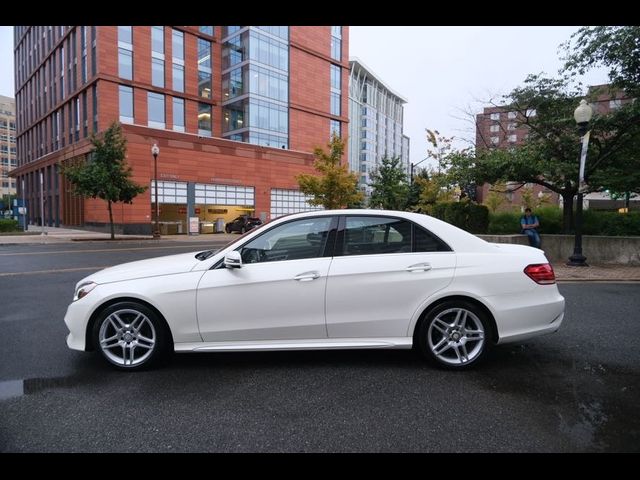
(152, 267)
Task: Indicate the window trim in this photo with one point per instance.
(340, 236)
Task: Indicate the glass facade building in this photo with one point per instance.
(375, 123)
(255, 85)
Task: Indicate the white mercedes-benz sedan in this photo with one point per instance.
(322, 280)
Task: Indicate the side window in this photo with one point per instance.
(292, 241)
(376, 235)
(426, 242)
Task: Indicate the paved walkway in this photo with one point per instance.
(64, 235)
(593, 273)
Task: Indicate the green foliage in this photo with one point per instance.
(614, 47)
(336, 187)
(8, 225)
(106, 174)
(415, 189)
(433, 189)
(466, 215)
(595, 222)
(389, 183)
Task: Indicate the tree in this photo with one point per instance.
(415, 189)
(105, 174)
(549, 154)
(336, 187)
(434, 189)
(389, 183)
(616, 48)
(496, 197)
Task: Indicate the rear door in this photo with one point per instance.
(384, 269)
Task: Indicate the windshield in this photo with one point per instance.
(208, 253)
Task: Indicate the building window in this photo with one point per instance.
(157, 40)
(85, 123)
(207, 30)
(494, 128)
(495, 140)
(335, 103)
(155, 105)
(204, 54)
(511, 115)
(531, 112)
(615, 104)
(177, 44)
(336, 43)
(232, 84)
(178, 114)
(204, 119)
(94, 102)
(157, 72)
(335, 128)
(335, 77)
(178, 78)
(513, 138)
(125, 64)
(511, 126)
(204, 84)
(126, 104)
(495, 116)
(125, 35)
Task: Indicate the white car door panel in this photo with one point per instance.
(376, 295)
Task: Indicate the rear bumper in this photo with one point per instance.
(526, 315)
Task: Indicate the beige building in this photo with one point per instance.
(7, 145)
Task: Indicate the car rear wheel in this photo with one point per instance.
(130, 336)
(227, 229)
(455, 335)
(243, 230)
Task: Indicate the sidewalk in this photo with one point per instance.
(597, 273)
(66, 235)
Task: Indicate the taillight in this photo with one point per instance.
(541, 273)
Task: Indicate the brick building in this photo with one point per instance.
(235, 110)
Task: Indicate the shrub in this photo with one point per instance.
(610, 223)
(504, 223)
(8, 225)
(466, 215)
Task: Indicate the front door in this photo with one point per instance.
(279, 291)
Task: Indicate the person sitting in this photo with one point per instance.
(530, 224)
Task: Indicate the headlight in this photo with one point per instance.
(83, 290)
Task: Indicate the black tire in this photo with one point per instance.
(449, 350)
(227, 229)
(243, 230)
(134, 346)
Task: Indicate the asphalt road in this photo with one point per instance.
(574, 391)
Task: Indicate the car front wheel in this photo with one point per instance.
(130, 336)
(455, 335)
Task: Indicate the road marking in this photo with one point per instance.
(114, 250)
(36, 272)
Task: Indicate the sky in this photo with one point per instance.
(441, 71)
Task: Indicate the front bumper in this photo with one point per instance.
(76, 319)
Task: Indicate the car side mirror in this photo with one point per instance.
(233, 260)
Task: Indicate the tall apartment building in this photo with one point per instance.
(498, 127)
(376, 123)
(7, 145)
(235, 110)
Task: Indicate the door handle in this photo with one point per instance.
(307, 276)
(419, 267)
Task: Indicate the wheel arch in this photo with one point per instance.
(89, 343)
(474, 301)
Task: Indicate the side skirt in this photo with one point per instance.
(316, 344)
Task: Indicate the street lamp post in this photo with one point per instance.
(155, 151)
(582, 116)
(415, 164)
